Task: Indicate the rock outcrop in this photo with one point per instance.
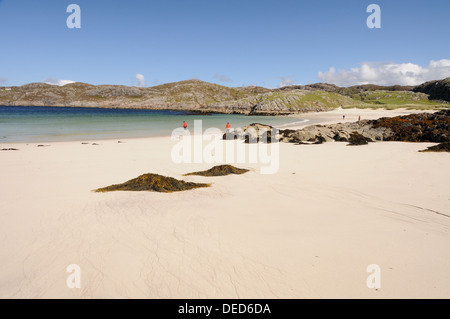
(253, 133)
(358, 139)
(437, 90)
(340, 132)
(422, 127)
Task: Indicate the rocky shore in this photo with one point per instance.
(421, 127)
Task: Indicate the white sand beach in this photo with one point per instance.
(308, 231)
(351, 115)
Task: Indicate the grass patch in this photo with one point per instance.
(396, 99)
(306, 99)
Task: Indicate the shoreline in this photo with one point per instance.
(312, 118)
(310, 230)
(352, 114)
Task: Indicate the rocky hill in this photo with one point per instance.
(196, 95)
(356, 89)
(437, 90)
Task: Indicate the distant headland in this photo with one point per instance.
(204, 97)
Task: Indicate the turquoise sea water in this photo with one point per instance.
(49, 124)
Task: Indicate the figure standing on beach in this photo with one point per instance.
(343, 117)
(228, 127)
(359, 118)
(184, 125)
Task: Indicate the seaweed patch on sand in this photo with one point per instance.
(220, 170)
(443, 147)
(153, 182)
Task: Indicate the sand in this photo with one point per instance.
(351, 115)
(308, 231)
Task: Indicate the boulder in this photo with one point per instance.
(358, 139)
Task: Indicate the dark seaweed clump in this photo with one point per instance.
(220, 170)
(443, 147)
(423, 127)
(358, 139)
(153, 182)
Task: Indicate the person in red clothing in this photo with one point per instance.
(184, 125)
(359, 118)
(228, 127)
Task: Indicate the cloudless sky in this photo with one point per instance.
(248, 42)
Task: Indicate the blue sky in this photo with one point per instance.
(234, 43)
